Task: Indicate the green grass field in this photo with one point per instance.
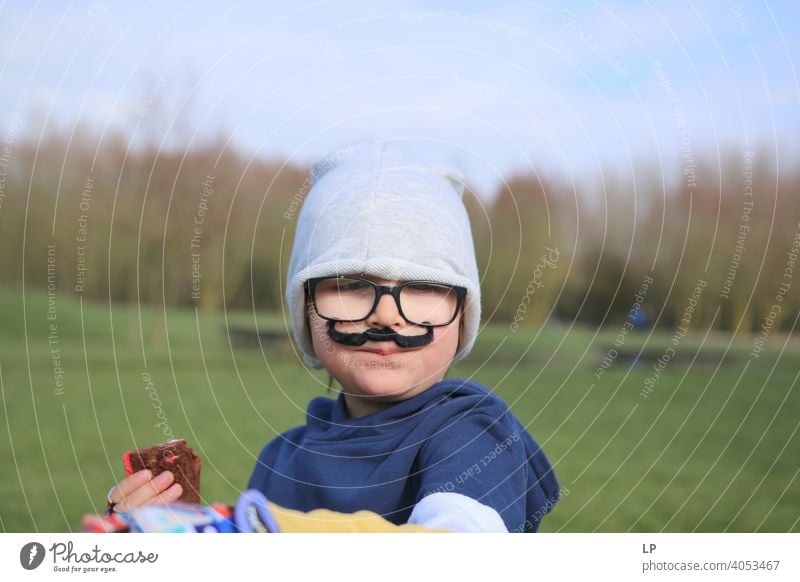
(713, 447)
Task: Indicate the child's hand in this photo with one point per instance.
(141, 488)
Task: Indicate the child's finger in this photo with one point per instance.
(148, 492)
(170, 495)
(129, 484)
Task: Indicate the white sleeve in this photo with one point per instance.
(456, 512)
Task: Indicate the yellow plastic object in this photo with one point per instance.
(327, 521)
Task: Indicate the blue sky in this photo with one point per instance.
(566, 88)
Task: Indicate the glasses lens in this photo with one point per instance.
(428, 303)
(342, 298)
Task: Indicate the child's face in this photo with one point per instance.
(372, 381)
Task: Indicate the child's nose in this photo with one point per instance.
(386, 313)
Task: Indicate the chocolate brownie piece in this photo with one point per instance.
(174, 455)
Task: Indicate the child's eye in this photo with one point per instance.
(352, 286)
(426, 288)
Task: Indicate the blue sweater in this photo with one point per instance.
(454, 437)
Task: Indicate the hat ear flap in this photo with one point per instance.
(454, 176)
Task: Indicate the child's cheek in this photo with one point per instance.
(323, 345)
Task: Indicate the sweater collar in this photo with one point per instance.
(326, 414)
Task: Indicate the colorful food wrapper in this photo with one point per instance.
(251, 515)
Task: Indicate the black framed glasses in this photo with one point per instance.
(347, 298)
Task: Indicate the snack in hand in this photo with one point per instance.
(174, 455)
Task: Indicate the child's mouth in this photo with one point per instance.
(385, 352)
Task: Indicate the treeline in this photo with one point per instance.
(213, 227)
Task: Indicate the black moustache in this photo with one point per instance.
(379, 334)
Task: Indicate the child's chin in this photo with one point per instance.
(389, 382)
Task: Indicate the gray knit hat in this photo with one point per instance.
(372, 209)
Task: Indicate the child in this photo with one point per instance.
(383, 293)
